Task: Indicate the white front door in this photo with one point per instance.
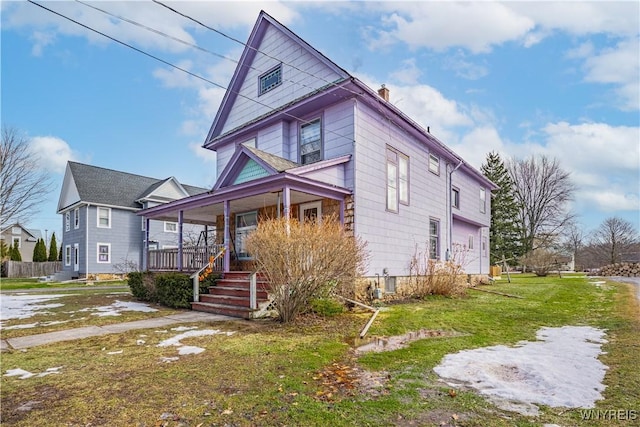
(76, 257)
(311, 211)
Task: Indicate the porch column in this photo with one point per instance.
(286, 200)
(227, 237)
(145, 252)
(180, 219)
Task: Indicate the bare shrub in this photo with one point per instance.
(306, 260)
(433, 277)
(541, 261)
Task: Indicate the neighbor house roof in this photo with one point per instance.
(110, 187)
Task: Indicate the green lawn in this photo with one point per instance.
(18, 284)
(306, 373)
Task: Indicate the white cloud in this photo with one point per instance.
(477, 143)
(52, 153)
(476, 26)
(619, 65)
(408, 73)
(465, 68)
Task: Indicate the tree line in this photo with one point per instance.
(532, 224)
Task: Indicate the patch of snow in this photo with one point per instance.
(21, 373)
(560, 370)
(184, 328)
(184, 349)
(37, 324)
(23, 306)
(189, 349)
(119, 306)
(140, 342)
(116, 352)
(169, 359)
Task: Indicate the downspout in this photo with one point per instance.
(86, 246)
(450, 208)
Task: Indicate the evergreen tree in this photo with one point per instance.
(53, 248)
(40, 251)
(60, 253)
(5, 251)
(15, 252)
(504, 233)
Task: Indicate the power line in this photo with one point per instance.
(176, 66)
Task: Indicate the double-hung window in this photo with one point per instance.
(397, 179)
(170, 227)
(311, 142)
(104, 217)
(434, 164)
(483, 200)
(67, 221)
(104, 253)
(76, 218)
(434, 238)
(67, 255)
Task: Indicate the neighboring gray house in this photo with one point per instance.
(24, 237)
(101, 233)
(298, 135)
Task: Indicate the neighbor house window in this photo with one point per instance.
(455, 198)
(434, 164)
(16, 230)
(67, 255)
(76, 218)
(170, 227)
(104, 217)
(483, 200)
(270, 79)
(16, 242)
(67, 221)
(434, 238)
(311, 142)
(104, 253)
(397, 179)
(245, 224)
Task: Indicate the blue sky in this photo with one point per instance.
(554, 78)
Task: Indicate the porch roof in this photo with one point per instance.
(262, 192)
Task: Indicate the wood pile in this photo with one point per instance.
(625, 269)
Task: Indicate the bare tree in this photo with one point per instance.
(542, 190)
(613, 239)
(23, 184)
(573, 241)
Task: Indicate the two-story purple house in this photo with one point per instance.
(298, 135)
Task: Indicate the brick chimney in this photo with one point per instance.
(384, 93)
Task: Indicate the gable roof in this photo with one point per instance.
(252, 48)
(266, 163)
(103, 186)
(36, 234)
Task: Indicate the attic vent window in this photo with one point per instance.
(270, 79)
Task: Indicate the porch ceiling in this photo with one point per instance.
(206, 215)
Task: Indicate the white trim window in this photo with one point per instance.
(104, 217)
(76, 218)
(483, 200)
(245, 224)
(311, 142)
(170, 227)
(270, 80)
(67, 255)
(16, 230)
(103, 253)
(434, 239)
(397, 179)
(471, 241)
(17, 241)
(67, 221)
(434, 164)
(311, 212)
(455, 197)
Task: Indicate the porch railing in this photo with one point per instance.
(193, 258)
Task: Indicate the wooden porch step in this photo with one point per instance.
(230, 300)
(238, 291)
(228, 310)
